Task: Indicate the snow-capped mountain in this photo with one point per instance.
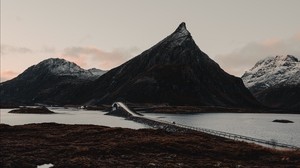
(61, 67)
(52, 81)
(275, 82)
(272, 71)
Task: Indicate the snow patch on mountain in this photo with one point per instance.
(96, 72)
(62, 67)
(271, 71)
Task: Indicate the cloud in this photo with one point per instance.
(87, 56)
(8, 49)
(50, 50)
(242, 59)
(6, 75)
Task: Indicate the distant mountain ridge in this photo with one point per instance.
(275, 81)
(61, 67)
(50, 81)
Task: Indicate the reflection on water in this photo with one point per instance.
(69, 116)
(253, 125)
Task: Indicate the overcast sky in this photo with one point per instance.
(105, 33)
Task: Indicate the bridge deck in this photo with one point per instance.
(137, 117)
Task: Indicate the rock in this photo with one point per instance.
(282, 121)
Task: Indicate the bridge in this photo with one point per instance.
(120, 109)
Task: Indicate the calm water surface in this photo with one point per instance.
(69, 116)
(249, 124)
(253, 125)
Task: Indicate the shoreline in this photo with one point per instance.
(166, 109)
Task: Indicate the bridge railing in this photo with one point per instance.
(214, 132)
(232, 135)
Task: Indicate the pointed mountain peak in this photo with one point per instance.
(182, 29)
(182, 26)
(180, 36)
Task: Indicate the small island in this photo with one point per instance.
(32, 110)
(282, 121)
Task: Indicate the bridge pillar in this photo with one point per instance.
(114, 106)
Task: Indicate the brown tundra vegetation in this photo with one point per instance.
(98, 146)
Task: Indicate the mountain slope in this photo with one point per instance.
(52, 81)
(174, 71)
(275, 81)
(273, 71)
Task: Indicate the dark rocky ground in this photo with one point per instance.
(99, 146)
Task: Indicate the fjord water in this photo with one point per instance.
(247, 124)
(69, 116)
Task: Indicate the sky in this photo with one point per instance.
(106, 33)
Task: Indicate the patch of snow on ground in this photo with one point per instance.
(45, 165)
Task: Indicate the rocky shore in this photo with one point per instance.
(98, 146)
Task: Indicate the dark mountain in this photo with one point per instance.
(275, 81)
(52, 81)
(282, 96)
(174, 71)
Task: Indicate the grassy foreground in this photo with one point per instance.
(98, 146)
